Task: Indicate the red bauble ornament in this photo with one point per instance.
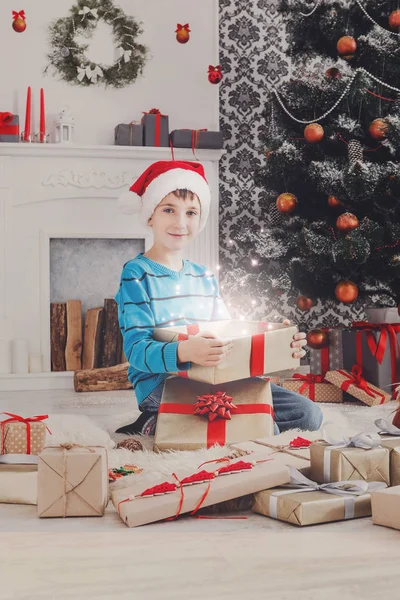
(286, 203)
(214, 74)
(394, 20)
(333, 201)
(317, 339)
(19, 23)
(182, 33)
(346, 47)
(378, 129)
(304, 303)
(314, 133)
(346, 222)
(346, 291)
(333, 73)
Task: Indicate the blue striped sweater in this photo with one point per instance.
(151, 295)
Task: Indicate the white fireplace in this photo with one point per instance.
(50, 191)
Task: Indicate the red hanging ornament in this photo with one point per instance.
(304, 303)
(19, 23)
(214, 74)
(378, 129)
(346, 222)
(286, 203)
(314, 133)
(333, 73)
(394, 20)
(334, 202)
(317, 339)
(346, 291)
(182, 33)
(346, 47)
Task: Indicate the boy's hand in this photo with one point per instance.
(205, 349)
(299, 340)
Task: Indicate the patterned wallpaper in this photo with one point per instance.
(252, 55)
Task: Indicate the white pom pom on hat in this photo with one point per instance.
(160, 179)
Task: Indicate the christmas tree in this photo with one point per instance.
(330, 217)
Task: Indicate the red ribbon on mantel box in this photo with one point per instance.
(158, 115)
(309, 382)
(257, 348)
(5, 124)
(18, 419)
(355, 378)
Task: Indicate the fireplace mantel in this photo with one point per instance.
(54, 190)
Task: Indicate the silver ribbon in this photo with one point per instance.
(386, 427)
(348, 490)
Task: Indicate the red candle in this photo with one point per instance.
(27, 130)
(42, 117)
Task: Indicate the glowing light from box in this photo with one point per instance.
(241, 318)
(253, 302)
(254, 262)
(244, 331)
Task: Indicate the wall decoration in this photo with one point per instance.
(19, 22)
(68, 58)
(214, 74)
(182, 33)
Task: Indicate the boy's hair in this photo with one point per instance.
(185, 194)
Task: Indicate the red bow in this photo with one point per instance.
(217, 69)
(185, 27)
(153, 111)
(6, 117)
(216, 406)
(388, 330)
(309, 382)
(358, 380)
(18, 15)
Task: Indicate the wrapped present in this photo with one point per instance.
(155, 128)
(376, 349)
(21, 435)
(355, 384)
(196, 138)
(140, 503)
(128, 134)
(329, 358)
(305, 502)
(343, 458)
(194, 415)
(390, 438)
(258, 348)
(72, 481)
(18, 484)
(313, 387)
(385, 507)
(382, 315)
(9, 127)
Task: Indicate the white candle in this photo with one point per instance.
(19, 356)
(35, 363)
(5, 356)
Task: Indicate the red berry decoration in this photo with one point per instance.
(317, 339)
(19, 23)
(378, 129)
(346, 47)
(394, 20)
(346, 291)
(333, 73)
(347, 222)
(304, 303)
(334, 202)
(214, 74)
(286, 203)
(182, 33)
(314, 133)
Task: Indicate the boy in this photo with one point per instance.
(159, 288)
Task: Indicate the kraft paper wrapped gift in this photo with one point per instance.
(259, 348)
(155, 129)
(386, 507)
(128, 134)
(330, 357)
(179, 428)
(355, 384)
(196, 138)
(304, 502)
(313, 387)
(135, 509)
(72, 481)
(18, 484)
(347, 461)
(390, 438)
(20, 435)
(9, 127)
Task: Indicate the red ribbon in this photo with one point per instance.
(17, 418)
(195, 141)
(309, 382)
(184, 27)
(216, 430)
(5, 124)
(212, 69)
(158, 115)
(18, 15)
(356, 378)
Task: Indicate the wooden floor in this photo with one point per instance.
(192, 559)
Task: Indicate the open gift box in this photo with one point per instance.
(259, 348)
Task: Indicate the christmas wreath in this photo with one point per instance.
(68, 56)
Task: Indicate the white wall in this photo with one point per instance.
(174, 79)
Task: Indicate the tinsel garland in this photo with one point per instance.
(67, 56)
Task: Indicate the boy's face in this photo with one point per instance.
(175, 221)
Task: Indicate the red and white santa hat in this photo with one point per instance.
(160, 179)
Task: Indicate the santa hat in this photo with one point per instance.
(160, 179)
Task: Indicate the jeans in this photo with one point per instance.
(292, 411)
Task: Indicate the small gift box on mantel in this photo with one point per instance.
(155, 128)
(9, 127)
(197, 139)
(129, 134)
